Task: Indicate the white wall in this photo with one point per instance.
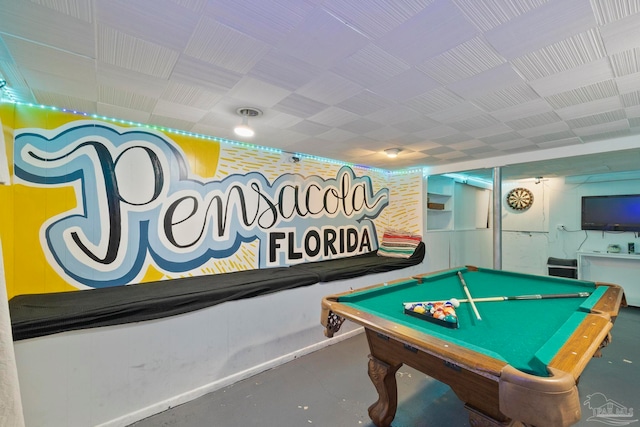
(113, 376)
(5, 177)
(566, 199)
(469, 242)
(10, 402)
(472, 247)
(530, 237)
(525, 234)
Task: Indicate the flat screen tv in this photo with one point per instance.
(611, 213)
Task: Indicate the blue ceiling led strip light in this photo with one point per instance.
(214, 138)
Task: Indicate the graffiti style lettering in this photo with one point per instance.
(138, 205)
(349, 240)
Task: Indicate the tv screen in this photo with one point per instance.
(611, 213)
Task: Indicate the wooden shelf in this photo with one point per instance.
(440, 191)
(465, 207)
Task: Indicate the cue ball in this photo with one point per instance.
(454, 302)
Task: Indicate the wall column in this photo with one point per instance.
(10, 401)
(497, 218)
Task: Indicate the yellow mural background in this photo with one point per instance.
(25, 208)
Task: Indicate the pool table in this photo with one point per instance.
(518, 364)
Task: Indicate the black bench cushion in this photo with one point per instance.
(37, 315)
(44, 314)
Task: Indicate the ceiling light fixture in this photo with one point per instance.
(244, 129)
(392, 152)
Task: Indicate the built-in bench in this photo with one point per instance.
(36, 315)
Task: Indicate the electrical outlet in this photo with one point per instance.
(560, 227)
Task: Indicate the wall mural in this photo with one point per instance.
(138, 204)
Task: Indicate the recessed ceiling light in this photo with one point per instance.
(392, 152)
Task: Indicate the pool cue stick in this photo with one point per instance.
(466, 291)
(513, 298)
(529, 297)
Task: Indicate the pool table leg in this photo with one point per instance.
(383, 377)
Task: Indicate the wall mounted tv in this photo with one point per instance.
(611, 213)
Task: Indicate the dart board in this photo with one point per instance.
(520, 199)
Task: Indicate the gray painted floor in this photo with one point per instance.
(331, 388)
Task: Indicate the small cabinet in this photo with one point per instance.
(622, 269)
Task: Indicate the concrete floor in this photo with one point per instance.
(331, 388)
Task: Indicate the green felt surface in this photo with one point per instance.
(526, 334)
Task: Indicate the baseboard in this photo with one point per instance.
(188, 396)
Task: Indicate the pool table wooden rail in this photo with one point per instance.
(495, 393)
(474, 377)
